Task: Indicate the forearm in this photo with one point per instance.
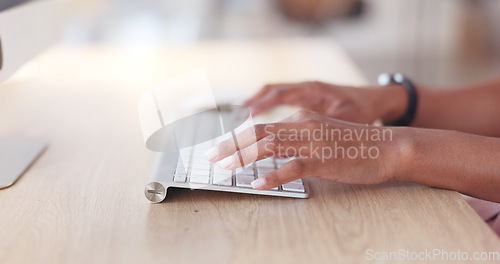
(474, 109)
(448, 159)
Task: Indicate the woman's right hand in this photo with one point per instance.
(322, 148)
(360, 105)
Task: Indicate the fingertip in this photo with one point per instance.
(227, 163)
(212, 153)
(259, 183)
(254, 111)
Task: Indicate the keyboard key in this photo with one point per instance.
(225, 180)
(264, 168)
(198, 175)
(265, 163)
(180, 177)
(293, 187)
(183, 163)
(200, 160)
(200, 171)
(200, 166)
(299, 181)
(180, 169)
(244, 181)
(223, 172)
(199, 156)
(245, 171)
(264, 171)
(196, 178)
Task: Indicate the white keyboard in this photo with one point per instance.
(189, 168)
(192, 170)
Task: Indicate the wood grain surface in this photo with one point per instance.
(83, 201)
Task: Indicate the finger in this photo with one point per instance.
(244, 139)
(269, 101)
(292, 170)
(290, 95)
(283, 146)
(261, 93)
(299, 116)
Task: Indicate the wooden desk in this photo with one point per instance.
(83, 202)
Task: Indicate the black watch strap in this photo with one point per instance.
(411, 110)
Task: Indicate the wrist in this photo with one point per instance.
(392, 102)
(401, 149)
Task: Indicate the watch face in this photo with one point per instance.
(384, 79)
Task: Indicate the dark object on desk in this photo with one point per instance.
(321, 10)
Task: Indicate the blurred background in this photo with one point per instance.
(440, 42)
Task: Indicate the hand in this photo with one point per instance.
(322, 146)
(360, 105)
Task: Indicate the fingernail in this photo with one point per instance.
(258, 183)
(212, 153)
(227, 162)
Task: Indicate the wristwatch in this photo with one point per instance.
(385, 79)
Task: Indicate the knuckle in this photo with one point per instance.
(277, 94)
(271, 142)
(247, 154)
(224, 145)
(259, 130)
(297, 165)
(272, 179)
(249, 134)
(310, 123)
(227, 146)
(279, 91)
